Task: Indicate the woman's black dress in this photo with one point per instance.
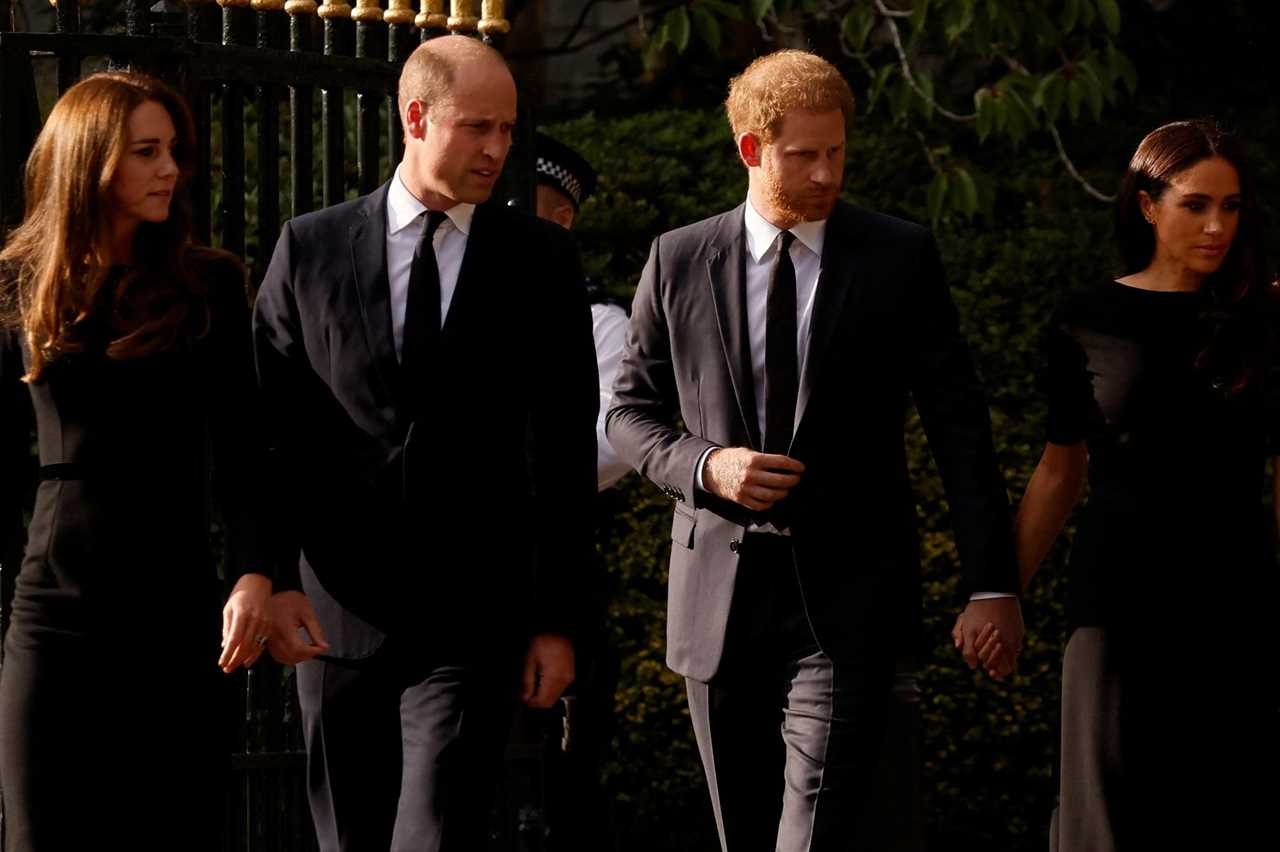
(1168, 684)
(113, 714)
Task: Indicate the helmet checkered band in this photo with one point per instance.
(564, 178)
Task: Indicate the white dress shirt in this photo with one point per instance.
(404, 225)
(609, 327)
(763, 240)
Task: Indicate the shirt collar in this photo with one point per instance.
(761, 234)
(404, 208)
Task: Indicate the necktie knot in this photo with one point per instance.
(787, 239)
(433, 220)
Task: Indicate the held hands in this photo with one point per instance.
(548, 669)
(989, 633)
(290, 611)
(246, 622)
(750, 479)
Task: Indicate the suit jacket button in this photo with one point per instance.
(734, 544)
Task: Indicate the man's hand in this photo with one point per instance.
(246, 621)
(989, 633)
(751, 479)
(548, 669)
(290, 611)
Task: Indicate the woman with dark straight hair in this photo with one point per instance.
(1162, 401)
(127, 350)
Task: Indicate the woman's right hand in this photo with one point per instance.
(291, 610)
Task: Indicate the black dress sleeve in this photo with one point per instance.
(242, 476)
(1066, 383)
(17, 466)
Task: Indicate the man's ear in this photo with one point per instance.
(415, 119)
(750, 149)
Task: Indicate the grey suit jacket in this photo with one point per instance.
(885, 332)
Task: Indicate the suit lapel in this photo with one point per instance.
(835, 281)
(368, 237)
(727, 277)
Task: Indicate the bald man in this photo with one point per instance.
(442, 560)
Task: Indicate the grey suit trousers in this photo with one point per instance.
(801, 753)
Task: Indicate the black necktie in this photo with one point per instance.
(781, 371)
(422, 308)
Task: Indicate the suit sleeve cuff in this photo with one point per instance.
(987, 596)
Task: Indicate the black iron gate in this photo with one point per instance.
(262, 76)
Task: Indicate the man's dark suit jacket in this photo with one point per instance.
(470, 521)
(884, 332)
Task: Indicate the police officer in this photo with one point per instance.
(565, 180)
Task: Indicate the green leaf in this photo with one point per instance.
(677, 22)
(857, 25)
(925, 104)
(1070, 15)
(760, 8)
(1110, 12)
(706, 25)
(959, 19)
(1075, 97)
(1093, 96)
(1123, 68)
(661, 36)
(919, 15)
(966, 191)
(1087, 14)
(1054, 95)
(986, 113)
(877, 85)
(937, 194)
(900, 98)
(724, 9)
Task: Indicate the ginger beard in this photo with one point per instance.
(812, 206)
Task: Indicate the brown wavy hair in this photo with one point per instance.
(1238, 297)
(56, 280)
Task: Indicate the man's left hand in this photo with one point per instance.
(548, 669)
(989, 633)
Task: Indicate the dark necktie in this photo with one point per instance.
(781, 371)
(422, 308)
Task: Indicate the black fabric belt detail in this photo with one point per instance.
(61, 472)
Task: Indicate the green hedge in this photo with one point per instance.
(989, 747)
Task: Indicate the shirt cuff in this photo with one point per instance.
(702, 463)
(988, 596)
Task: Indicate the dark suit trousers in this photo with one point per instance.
(404, 751)
(801, 752)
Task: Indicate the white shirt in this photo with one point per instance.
(763, 241)
(404, 226)
(609, 327)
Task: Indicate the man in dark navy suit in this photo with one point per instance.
(429, 366)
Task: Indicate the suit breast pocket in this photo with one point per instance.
(683, 525)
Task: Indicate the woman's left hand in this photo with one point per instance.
(246, 623)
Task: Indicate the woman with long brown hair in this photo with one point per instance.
(1162, 403)
(127, 349)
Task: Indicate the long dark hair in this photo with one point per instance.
(1236, 295)
(53, 263)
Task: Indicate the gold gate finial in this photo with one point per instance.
(493, 17)
(462, 18)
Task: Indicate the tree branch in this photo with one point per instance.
(1071, 167)
(888, 15)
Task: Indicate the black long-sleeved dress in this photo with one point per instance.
(1169, 696)
(110, 655)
